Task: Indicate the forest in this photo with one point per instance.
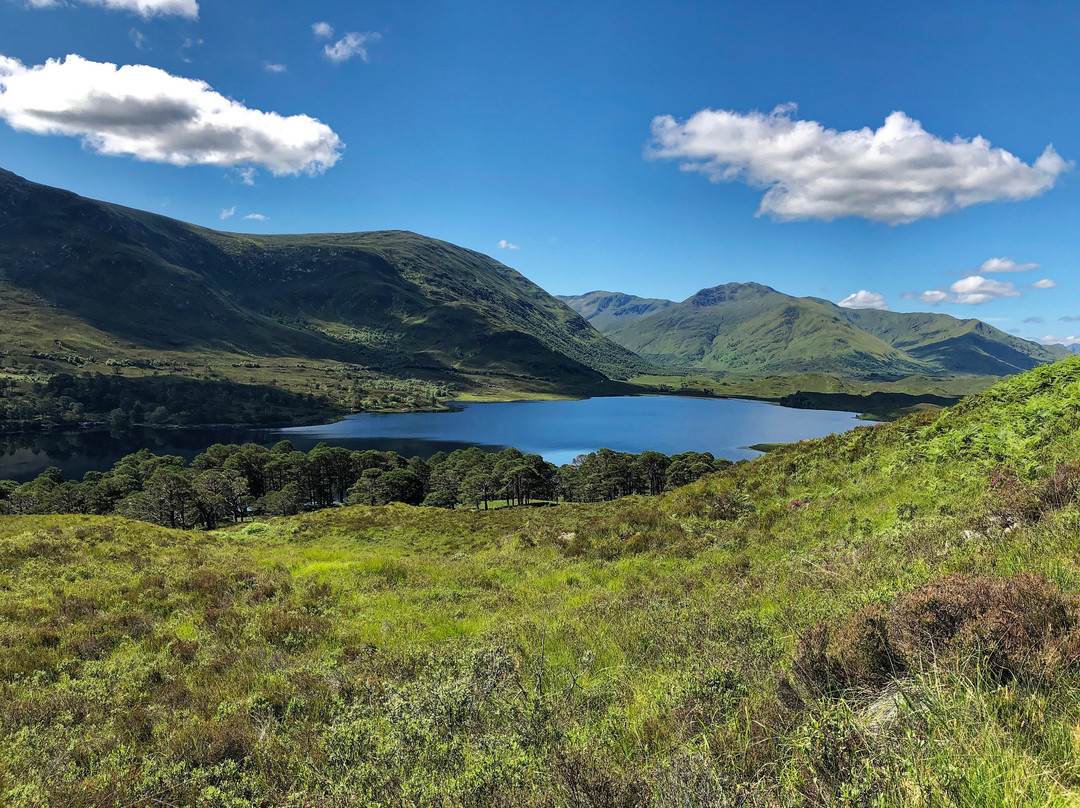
(231, 483)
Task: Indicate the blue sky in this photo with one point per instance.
(532, 125)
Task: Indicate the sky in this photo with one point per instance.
(918, 156)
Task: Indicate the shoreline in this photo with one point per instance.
(884, 407)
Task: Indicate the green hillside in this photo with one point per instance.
(751, 328)
(607, 311)
(889, 617)
(96, 287)
(957, 346)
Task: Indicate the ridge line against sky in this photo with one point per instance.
(926, 140)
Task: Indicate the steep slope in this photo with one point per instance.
(607, 311)
(112, 282)
(753, 328)
(956, 346)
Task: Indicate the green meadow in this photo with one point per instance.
(889, 617)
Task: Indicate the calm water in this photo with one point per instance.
(558, 430)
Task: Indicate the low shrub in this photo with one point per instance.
(1019, 625)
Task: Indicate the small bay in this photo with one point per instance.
(557, 430)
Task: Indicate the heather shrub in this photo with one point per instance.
(855, 655)
(1061, 487)
(1018, 625)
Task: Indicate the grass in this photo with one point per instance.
(649, 651)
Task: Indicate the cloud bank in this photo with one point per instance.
(898, 173)
(144, 8)
(146, 113)
(863, 299)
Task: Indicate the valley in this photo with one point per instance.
(112, 316)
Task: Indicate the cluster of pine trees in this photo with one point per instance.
(230, 483)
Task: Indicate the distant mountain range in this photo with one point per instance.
(100, 286)
(749, 327)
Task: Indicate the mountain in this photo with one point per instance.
(967, 346)
(752, 328)
(101, 286)
(610, 310)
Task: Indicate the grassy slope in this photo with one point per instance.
(749, 328)
(85, 282)
(607, 311)
(958, 346)
(619, 654)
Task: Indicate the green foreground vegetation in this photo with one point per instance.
(886, 617)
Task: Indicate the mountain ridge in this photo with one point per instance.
(751, 327)
(111, 282)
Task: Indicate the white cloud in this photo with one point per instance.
(352, 44)
(144, 8)
(972, 290)
(993, 265)
(323, 29)
(506, 245)
(976, 289)
(929, 296)
(257, 217)
(151, 115)
(138, 38)
(247, 175)
(227, 212)
(1045, 283)
(863, 299)
(1049, 339)
(273, 68)
(897, 174)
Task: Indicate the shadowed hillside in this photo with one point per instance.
(85, 282)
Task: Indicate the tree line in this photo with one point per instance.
(231, 483)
